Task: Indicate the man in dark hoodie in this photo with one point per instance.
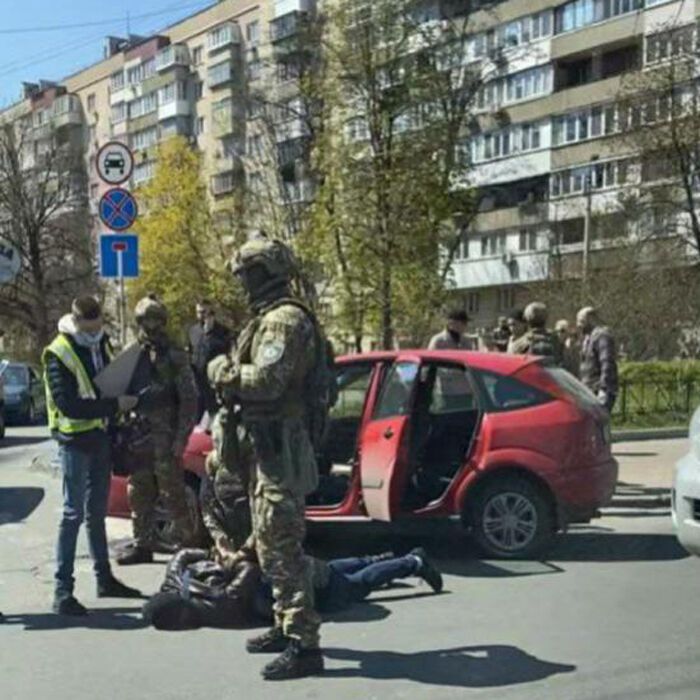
(78, 421)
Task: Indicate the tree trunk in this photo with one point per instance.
(387, 318)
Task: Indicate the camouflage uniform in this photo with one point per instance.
(276, 353)
(538, 341)
(224, 497)
(170, 408)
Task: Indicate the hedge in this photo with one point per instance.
(670, 371)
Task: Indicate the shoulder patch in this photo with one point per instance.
(271, 352)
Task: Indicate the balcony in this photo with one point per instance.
(227, 163)
(286, 27)
(284, 7)
(225, 183)
(222, 120)
(228, 34)
(67, 112)
(172, 56)
(172, 109)
(220, 74)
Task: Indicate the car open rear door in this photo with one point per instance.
(384, 446)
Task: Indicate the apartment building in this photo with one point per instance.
(193, 79)
(549, 157)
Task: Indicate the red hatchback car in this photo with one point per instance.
(509, 448)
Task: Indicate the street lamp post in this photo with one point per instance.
(587, 226)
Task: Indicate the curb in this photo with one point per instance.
(649, 434)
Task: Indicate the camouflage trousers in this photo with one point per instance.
(279, 529)
(166, 480)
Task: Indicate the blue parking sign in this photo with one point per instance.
(119, 255)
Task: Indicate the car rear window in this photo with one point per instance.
(508, 394)
(573, 387)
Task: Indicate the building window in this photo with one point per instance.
(94, 191)
(597, 176)
(119, 112)
(116, 81)
(581, 13)
(254, 146)
(144, 105)
(199, 126)
(356, 130)
(252, 33)
(92, 134)
(515, 33)
(197, 55)
(254, 69)
(144, 139)
(670, 44)
(198, 90)
(288, 70)
(518, 138)
(527, 240)
(506, 299)
(493, 244)
(144, 172)
(473, 299)
(515, 88)
(91, 102)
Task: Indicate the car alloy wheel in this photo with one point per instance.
(509, 521)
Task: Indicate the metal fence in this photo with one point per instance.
(657, 401)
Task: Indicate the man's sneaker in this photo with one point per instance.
(113, 588)
(271, 642)
(135, 555)
(294, 662)
(427, 571)
(68, 605)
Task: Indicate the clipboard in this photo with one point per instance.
(114, 379)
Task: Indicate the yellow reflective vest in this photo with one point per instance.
(63, 350)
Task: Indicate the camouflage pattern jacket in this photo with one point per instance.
(540, 342)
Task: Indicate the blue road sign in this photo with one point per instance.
(119, 255)
(118, 209)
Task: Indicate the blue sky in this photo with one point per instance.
(34, 54)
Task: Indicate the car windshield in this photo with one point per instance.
(572, 386)
(13, 375)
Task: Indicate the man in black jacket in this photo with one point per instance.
(207, 339)
(78, 422)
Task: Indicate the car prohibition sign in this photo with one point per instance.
(115, 163)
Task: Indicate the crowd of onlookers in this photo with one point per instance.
(586, 350)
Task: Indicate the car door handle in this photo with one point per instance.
(388, 433)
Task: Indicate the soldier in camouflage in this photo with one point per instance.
(538, 340)
(268, 376)
(164, 378)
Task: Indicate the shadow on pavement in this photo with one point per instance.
(22, 440)
(464, 667)
(18, 503)
(612, 547)
(100, 618)
(366, 611)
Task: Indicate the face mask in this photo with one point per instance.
(86, 339)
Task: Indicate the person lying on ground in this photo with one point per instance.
(199, 592)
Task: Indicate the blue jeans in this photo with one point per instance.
(86, 479)
(352, 580)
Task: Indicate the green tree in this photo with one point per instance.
(397, 99)
(184, 251)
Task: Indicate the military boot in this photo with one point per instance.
(135, 555)
(294, 662)
(273, 641)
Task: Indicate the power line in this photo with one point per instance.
(97, 23)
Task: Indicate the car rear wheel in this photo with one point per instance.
(512, 518)
(165, 531)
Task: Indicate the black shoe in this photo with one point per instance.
(427, 571)
(294, 662)
(113, 588)
(271, 642)
(135, 555)
(68, 605)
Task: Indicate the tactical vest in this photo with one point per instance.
(61, 347)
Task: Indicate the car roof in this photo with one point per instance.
(503, 363)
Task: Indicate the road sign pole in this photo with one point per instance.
(122, 298)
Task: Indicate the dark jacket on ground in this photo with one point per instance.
(64, 390)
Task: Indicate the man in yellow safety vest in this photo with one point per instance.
(78, 419)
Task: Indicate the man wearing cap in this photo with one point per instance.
(278, 352)
(538, 340)
(453, 337)
(78, 421)
(169, 405)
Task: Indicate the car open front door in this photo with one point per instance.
(384, 447)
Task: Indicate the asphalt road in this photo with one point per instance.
(613, 614)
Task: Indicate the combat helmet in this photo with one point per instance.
(536, 314)
(264, 265)
(151, 310)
